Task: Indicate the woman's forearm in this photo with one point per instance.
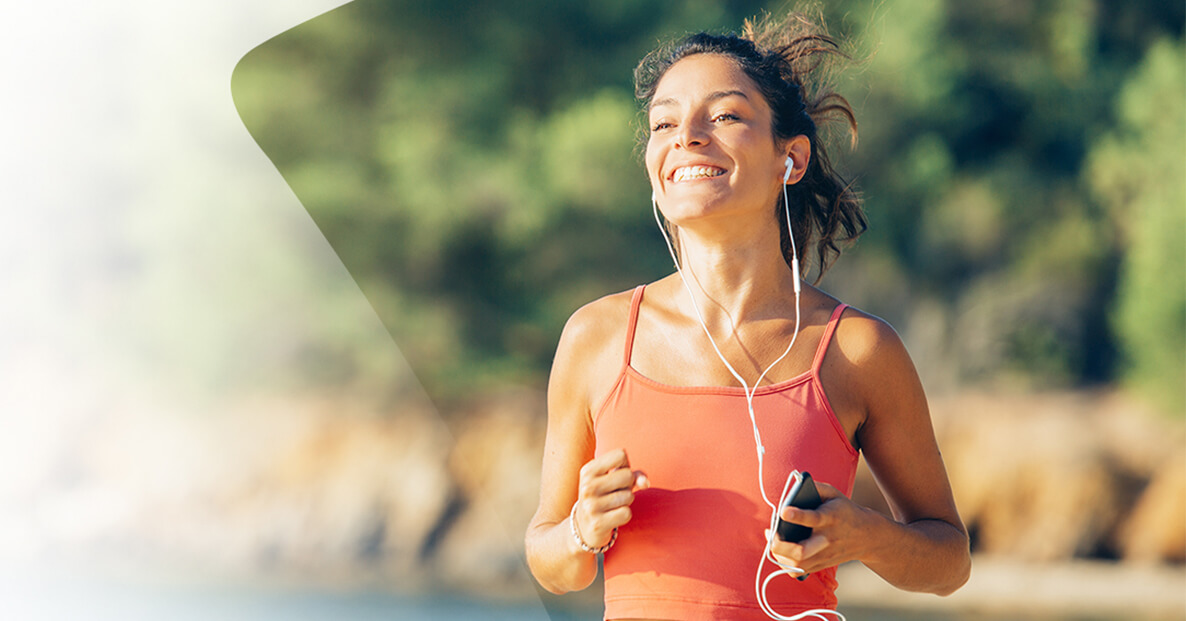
(929, 555)
(555, 559)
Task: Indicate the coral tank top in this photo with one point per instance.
(694, 544)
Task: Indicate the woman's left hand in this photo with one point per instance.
(840, 532)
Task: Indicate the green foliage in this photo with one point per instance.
(475, 166)
(1138, 170)
(472, 164)
(977, 120)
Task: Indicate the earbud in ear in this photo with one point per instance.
(653, 199)
(790, 169)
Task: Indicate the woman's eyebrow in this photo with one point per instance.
(671, 101)
(723, 94)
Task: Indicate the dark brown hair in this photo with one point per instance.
(788, 60)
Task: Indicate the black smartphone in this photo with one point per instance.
(803, 495)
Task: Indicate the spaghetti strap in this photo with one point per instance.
(826, 339)
(635, 302)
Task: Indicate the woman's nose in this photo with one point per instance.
(692, 134)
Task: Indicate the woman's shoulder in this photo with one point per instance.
(870, 353)
(590, 355)
(599, 319)
(608, 318)
(860, 337)
(857, 330)
(867, 367)
(863, 336)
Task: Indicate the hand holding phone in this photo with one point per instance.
(803, 495)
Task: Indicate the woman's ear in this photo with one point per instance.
(798, 150)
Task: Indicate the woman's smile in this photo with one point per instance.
(693, 173)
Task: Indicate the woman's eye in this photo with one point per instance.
(725, 116)
(660, 125)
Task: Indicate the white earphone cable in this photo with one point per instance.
(759, 584)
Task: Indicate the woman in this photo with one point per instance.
(673, 420)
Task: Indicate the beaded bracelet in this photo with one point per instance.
(576, 534)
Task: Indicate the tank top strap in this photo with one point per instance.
(826, 339)
(635, 302)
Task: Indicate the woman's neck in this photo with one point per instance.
(736, 282)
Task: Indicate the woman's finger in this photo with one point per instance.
(827, 492)
(597, 527)
(802, 517)
(612, 460)
(788, 551)
(608, 502)
(812, 546)
(605, 463)
(618, 517)
(620, 479)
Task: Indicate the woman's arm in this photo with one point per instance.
(603, 488)
(925, 546)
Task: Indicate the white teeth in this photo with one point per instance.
(696, 172)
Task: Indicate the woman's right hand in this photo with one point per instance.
(606, 490)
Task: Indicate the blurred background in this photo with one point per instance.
(218, 396)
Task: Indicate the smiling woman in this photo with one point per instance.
(712, 148)
(676, 409)
(790, 78)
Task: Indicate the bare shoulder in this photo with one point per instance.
(864, 339)
(591, 350)
(869, 373)
(595, 326)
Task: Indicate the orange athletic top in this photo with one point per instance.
(693, 546)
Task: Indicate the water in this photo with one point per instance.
(64, 598)
(120, 603)
(56, 600)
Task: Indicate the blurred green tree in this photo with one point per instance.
(473, 164)
(475, 167)
(1138, 170)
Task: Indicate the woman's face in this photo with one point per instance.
(711, 150)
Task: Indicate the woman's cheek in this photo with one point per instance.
(652, 164)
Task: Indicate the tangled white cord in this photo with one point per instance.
(767, 554)
(760, 585)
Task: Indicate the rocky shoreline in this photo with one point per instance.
(329, 492)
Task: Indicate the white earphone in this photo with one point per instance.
(786, 205)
